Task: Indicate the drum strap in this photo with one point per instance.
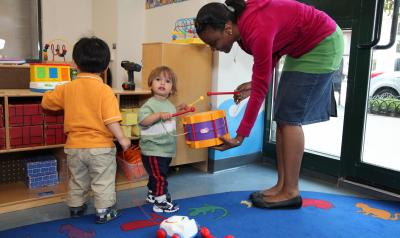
(171, 134)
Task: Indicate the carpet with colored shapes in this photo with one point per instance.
(322, 215)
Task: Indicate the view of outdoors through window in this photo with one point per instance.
(383, 117)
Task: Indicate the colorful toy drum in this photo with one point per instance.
(204, 129)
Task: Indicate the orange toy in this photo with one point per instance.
(204, 129)
(131, 163)
(132, 155)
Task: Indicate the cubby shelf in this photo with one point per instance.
(31, 148)
(17, 196)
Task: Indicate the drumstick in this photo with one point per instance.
(200, 98)
(190, 109)
(222, 93)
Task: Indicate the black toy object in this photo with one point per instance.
(130, 67)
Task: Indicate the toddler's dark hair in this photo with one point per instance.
(91, 55)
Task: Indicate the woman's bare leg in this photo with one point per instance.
(279, 160)
(292, 154)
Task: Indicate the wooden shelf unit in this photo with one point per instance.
(192, 64)
(17, 196)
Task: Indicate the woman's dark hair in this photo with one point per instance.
(91, 55)
(216, 15)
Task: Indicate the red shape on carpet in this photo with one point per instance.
(317, 203)
(155, 220)
(75, 232)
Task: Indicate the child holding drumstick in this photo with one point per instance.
(157, 140)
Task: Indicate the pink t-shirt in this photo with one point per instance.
(270, 29)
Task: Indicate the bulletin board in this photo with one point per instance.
(159, 3)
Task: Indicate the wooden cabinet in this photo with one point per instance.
(16, 196)
(192, 65)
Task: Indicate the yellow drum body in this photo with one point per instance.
(204, 129)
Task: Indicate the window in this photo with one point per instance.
(20, 30)
(397, 65)
(373, 65)
(398, 47)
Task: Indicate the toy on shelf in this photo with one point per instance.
(58, 47)
(130, 67)
(44, 77)
(185, 32)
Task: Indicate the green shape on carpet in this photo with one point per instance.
(206, 208)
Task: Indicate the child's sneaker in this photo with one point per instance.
(150, 198)
(110, 214)
(76, 212)
(165, 206)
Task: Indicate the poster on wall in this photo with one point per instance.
(158, 3)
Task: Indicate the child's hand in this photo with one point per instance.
(125, 143)
(182, 107)
(165, 116)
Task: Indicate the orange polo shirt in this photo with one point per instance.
(89, 105)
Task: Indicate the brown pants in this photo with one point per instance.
(93, 169)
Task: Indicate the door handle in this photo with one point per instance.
(377, 26)
(393, 30)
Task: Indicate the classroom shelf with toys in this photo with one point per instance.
(26, 132)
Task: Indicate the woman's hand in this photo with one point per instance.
(229, 143)
(244, 89)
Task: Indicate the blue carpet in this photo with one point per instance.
(322, 215)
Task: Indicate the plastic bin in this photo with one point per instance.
(132, 171)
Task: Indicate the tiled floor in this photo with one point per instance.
(250, 177)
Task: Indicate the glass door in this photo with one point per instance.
(378, 93)
(383, 111)
(361, 143)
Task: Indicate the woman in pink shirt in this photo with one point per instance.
(313, 46)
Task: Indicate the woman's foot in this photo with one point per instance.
(271, 191)
(291, 203)
(267, 192)
(281, 196)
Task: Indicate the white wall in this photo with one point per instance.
(104, 20)
(131, 27)
(119, 22)
(233, 69)
(66, 20)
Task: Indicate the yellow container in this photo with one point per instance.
(129, 118)
(127, 130)
(135, 131)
